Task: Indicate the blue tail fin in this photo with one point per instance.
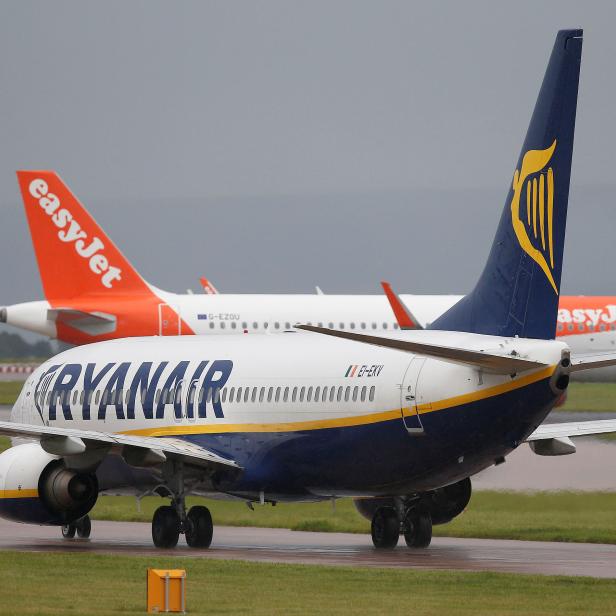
(517, 293)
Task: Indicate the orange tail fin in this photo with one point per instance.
(74, 255)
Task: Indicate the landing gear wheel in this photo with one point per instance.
(385, 528)
(165, 527)
(417, 529)
(199, 527)
(68, 531)
(84, 527)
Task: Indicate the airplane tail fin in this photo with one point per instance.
(518, 291)
(75, 257)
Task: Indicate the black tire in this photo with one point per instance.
(385, 528)
(199, 530)
(68, 531)
(418, 529)
(165, 527)
(84, 527)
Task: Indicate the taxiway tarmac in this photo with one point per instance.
(280, 545)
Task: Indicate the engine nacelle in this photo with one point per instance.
(443, 504)
(36, 487)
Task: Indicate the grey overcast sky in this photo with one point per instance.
(273, 146)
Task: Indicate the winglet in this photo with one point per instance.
(403, 315)
(208, 287)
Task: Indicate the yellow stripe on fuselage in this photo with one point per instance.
(19, 493)
(343, 422)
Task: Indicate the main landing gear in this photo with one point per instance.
(388, 523)
(168, 523)
(172, 520)
(82, 527)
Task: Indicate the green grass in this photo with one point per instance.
(9, 390)
(591, 397)
(84, 584)
(543, 516)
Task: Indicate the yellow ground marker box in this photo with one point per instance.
(166, 590)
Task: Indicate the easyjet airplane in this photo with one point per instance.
(93, 292)
(398, 420)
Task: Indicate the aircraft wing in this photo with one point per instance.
(571, 429)
(403, 315)
(490, 362)
(555, 439)
(136, 450)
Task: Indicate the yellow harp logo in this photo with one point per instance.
(539, 192)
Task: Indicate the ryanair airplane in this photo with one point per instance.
(398, 421)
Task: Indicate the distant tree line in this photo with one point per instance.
(13, 346)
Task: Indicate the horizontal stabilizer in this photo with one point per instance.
(92, 323)
(497, 364)
(590, 361)
(403, 315)
(140, 449)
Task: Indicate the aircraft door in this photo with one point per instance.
(169, 323)
(409, 397)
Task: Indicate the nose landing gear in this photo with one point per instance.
(413, 522)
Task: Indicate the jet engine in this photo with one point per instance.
(443, 504)
(37, 487)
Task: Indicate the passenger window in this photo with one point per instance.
(217, 395)
(324, 396)
(374, 326)
(331, 326)
(233, 325)
(244, 325)
(201, 395)
(210, 393)
(246, 393)
(384, 325)
(302, 391)
(363, 393)
(395, 326)
(239, 395)
(355, 390)
(191, 396)
(254, 395)
(372, 394)
(222, 325)
(178, 394)
(332, 393)
(285, 397)
(48, 397)
(75, 392)
(265, 325)
(81, 396)
(255, 325)
(317, 391)
(363, 326)
(309, 395)
(276, 325)
(156, 397)
(347, 394)
(570, 327)
(231, 394)
(224, 394)
(270, 393)
(262, 394)
(339, 396)
(294, 397)
(211, 324)
(287, 325)
(277, 394)
(341, 325)
(352, 325)
(320, 324)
